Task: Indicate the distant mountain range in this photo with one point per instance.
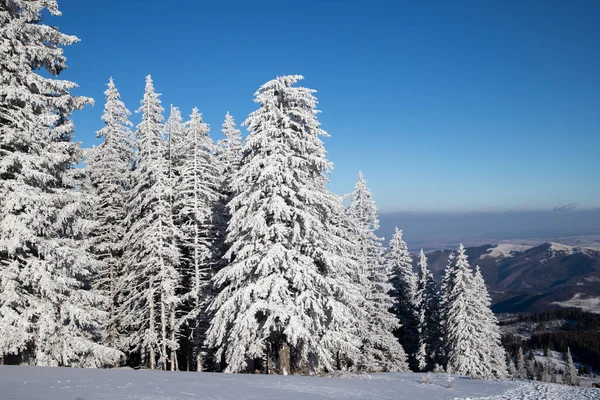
(436, 231)
(524, 278)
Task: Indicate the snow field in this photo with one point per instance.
(45, 383)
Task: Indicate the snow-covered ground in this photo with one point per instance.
(504, 250)
(33, 383)
(580, 300)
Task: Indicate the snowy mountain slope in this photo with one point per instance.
(524, 278)
(504, 250)
(33, 383)
(579, 300)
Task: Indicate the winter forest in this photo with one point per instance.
(161, 249)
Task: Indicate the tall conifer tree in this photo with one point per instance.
(428, 325)
(380, 349)
(109, 168)
(404, 293)
(148, 288)
(48, 314)
(283, 292)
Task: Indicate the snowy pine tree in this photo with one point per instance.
(178, 148)
(48, 314)
(510, 365)
(147, 291)
(380, 349)
(109, 169)
(489, 332)
(197, 195)
(404, 281)
(229, 150)
(570, 376)
(176, 153)
(530, 365)
(521, 372)
(229, 156)
(428, 309)
(472, 337)
(283, 292)
(549, 369)
(460, 326)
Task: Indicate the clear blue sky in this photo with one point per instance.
(444, 105)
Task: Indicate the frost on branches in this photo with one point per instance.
(570, 376)
(380, 348)
(492, 352)
(177, 146)
(147, 290)
(197, 195)
(404, 281)
(283, 288)
(109, 170)
(229, 150)
(48, 315)
(428, 314)
(472, 339)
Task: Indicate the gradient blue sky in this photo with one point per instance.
(444, 105)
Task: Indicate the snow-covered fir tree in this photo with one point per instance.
(472, 339)
(521, 372)
(549, 369)
(229, 157)
(460, 340)
(48, 314)
(177, 150)
(570, 376)
(197, 195)
(489, 331)
(512, 370)
(109, 169)
(404, 291)
(380, 348)
(530, 365)
(283, 294)
(229, 150)
(147, 290)
(428, 308)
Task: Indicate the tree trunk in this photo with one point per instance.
(151, 361)
(284, 359)
(199, 362)
(112, 334)
(163, 331)
(174, 366)
(269, 363)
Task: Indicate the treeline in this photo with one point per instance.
(585, 346)
(169, 251)
(523, 366)
(575, 319)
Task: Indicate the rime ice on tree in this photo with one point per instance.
(109, 169)
(380, 348)
(282, 291)
(196, 196)
(404, 281)
(48, 314)
(147, 290)
(471, 333)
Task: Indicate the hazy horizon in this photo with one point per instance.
(440, 230)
